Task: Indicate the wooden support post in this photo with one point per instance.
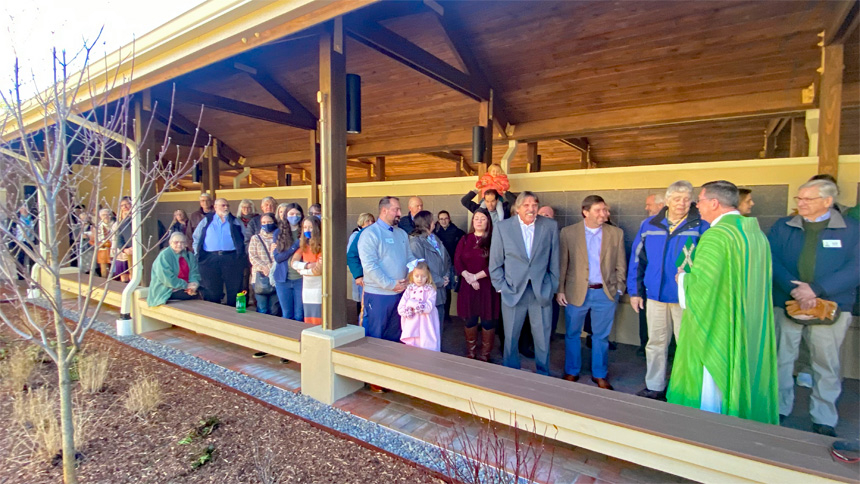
(282, 176)
(799, 146)
(812, 116)
(831, 110)
(485, 119)
(149, 225)
(379, 168)
(211, 172)
(315, 166)
(332, 96)
(532, 157)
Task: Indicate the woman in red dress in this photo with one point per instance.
(476, 298)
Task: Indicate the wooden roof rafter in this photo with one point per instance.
(183, 134)
(220, 103)
(265, 79)
(843, 23)
(454, 28)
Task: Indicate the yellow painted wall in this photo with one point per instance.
(112, 184)
(781, 171)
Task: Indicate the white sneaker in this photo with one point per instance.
(804, 380)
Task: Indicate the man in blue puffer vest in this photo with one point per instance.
(662, 241)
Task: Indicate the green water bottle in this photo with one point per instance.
(241, 304)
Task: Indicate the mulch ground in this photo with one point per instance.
(250, 442)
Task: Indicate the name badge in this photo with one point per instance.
(391, 241)
(832, 244)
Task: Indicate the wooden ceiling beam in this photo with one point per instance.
(445, 155)
(398, 48)
(220, 103)
(579, 144)
(265, 79)
(180, 125)
(843, 22)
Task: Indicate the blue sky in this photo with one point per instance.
(29, 30)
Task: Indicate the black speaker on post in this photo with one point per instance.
(353, 103)
(478, 144)
(197, 174)
(288, 180)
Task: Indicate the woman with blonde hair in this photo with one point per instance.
(122, 241)
(307, 261)
(103, 231)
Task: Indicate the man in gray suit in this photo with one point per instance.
(524, 269)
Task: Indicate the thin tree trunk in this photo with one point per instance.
(66, 418)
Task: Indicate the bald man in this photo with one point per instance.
(219, 242)
(415, 205)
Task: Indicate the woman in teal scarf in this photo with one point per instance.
(174, 273)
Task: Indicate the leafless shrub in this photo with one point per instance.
(264, 466)
(35, 412)
(143, 396)
(93, 370)
(487, 457)
(38, 430)
(17, 368)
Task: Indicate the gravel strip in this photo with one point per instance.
(397, 443)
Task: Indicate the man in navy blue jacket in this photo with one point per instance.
(814, 258)
(662, 239)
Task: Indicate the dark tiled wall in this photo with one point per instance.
(627, 206)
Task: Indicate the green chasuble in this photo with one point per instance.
(728, 323)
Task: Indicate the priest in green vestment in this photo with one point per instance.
(726, 356)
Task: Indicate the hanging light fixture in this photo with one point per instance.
(353, 103)
(478, 144)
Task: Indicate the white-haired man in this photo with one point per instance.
(815, 272)
(663, 241)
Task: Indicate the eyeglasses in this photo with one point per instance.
(700, 200)
(805, 200)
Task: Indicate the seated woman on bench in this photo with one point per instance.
(174, 273)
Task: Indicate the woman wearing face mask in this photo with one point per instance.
(262, 259)
(288, 282)
(307, 261)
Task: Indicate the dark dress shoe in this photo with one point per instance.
(602, 383)
(652, 394)
(824, 430)
(573, 378)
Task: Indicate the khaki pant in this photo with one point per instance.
(664, 319)
(824, 343)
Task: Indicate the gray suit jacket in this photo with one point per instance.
(510, 268)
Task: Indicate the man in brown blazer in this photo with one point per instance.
(593, 272)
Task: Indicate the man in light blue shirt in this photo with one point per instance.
(219, 243)
(593, 273)
(384, 252)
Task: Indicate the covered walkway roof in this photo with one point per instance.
(625, 82)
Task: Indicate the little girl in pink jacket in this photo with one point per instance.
(419, 320)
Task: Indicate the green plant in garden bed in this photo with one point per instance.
(204, 458)
(204, 428)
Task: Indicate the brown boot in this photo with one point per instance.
(471, 341)
(488, 337)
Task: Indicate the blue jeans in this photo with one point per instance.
(382, 320)
(266, 302)
(602, 316)
(290, 297)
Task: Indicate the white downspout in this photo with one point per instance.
(509, 155)
(136, 221)
(241, 176)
